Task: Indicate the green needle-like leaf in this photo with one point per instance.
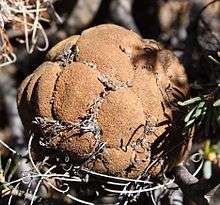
(214, 60)
(190, 122)
(199, 110)
(207, 169)
(188, 116)
(190, 101)
(216, 103)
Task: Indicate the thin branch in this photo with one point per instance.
(193, 188)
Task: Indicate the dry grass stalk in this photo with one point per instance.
(22, 18)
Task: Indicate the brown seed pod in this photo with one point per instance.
(108, 99)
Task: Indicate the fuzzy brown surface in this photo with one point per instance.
(125, 86)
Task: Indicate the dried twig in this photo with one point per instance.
(193, 188)
(24, 18)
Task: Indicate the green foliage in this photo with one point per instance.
(198, 110)
(216, 103)
(204, 109)
(207, 169)
(211, 153)
(8, 168)
(204, 114)
(214, 60)
(190, 101)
